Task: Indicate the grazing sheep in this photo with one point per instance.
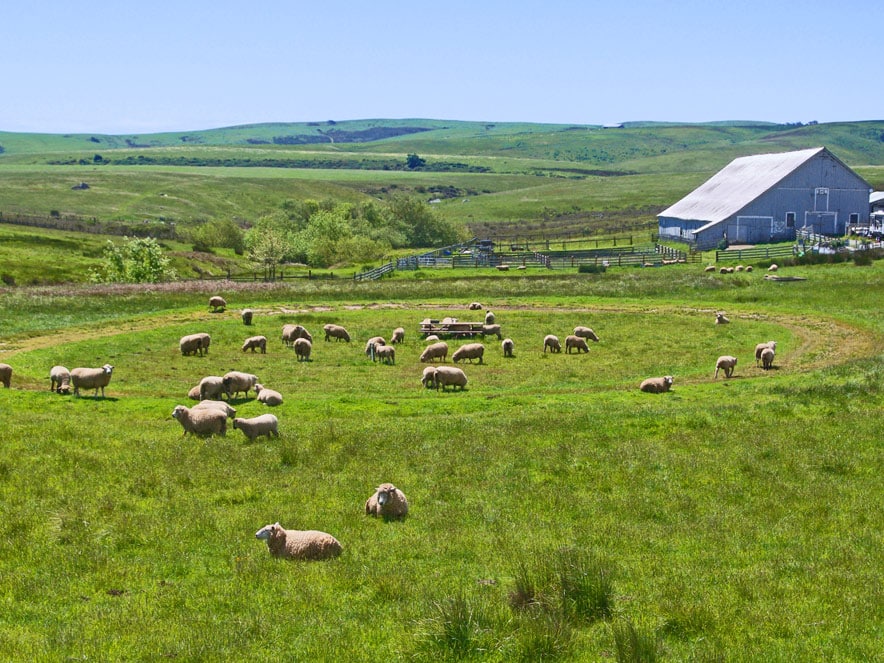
(450, 376)
(386, 354)
(387, 502)
(265, 424)
(508, 347)
(435, 351)
(216, 303)
(761, 347)
(194, 393)
(5, 374)
(721, 319)
(428, 379)
(767, 357)
(372, 344)
(194, 343)
(205, 421)
(398, 336)
(503, 268)
(488, 330)
(432, 338)
(59, 379)
(656, 385)
(91, 378)
(255, 343)
(298, 544)
(739, 268)
(235, 382)
(269, 397)
(290, 333)
(475, 306)
(211, 387)
(586, 332)
(216, 405)
(727, 364)
(552, 343)
(748, 268)
(723, 270)
(774, 267)
(573, 342)
(303, 348)
(247, 315)
(469, 351)
(489, 318)
(336, 332)
(709, 268)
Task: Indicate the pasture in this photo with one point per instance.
(556, 511)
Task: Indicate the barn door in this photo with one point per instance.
(821, 199)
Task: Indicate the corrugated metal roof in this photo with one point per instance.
(876, 197)
(738, 184)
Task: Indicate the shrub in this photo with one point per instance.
(591, 269)
(8, 279)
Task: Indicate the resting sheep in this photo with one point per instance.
(303, 348)
(194, 393)
(767, 357)
(774, 267)
(216, 303)
(59, 379)
(387, 502)
(488, 330)
(372, 344)
(726, 363)
(216, 405)
(205, 421)
(336, 332)
(91, 378)
(435, 351)
(573, 342)
(475, 306)
(469, 351)
(428, 379)
(489, 318)
(656, 385)
(265, 424)
(247, 315)
(398, 336)
(269, 397)
(386, 354)
(211, 387)
(446, 376)
(194, 343)
(761, 347)
(586, 332)
(709, 268)
(255, 343)
(6, 375)
(552, 343)
(235, 382)
(721, 319)
(508, 347)
(432, 338)
(299, 544)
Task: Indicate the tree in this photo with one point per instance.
(414, 161)
(269, 243)
(422, 226)
(137, 260)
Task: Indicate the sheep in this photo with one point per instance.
(269, 397)
(194, 343)
(298, 544)
(727, 363)
(398, 336)
(774, 267)
(5, 375)
(336, 332)
(194, 393)
(247, 314)
(573, 342)
(372, 344)
(387, 502)
(428, 379)
(235, 382)
(656, 385)
(739, 268)
(489, 318)
(723, 270)
(216, 303)
(255, 343)
(60, 380)
(508, 347)
(435, 351)
(552, 343)
(709, 268)
(748, 268)
(211, 387)
(386, 354)
(290, 333)
(303, 348)
(475, 306)
(216, 405)
(721, 319)
(585, 332)
(432, 338)
(469, 351)
(197, 421)
(761, 347)
(488, 330)
(205, 342)
(450, 376)
(91, 378)
(265, 424)
(767, 357)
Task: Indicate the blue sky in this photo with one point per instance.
(124, 67)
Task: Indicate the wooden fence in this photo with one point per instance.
(754, 253)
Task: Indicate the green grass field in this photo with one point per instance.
(557, 513)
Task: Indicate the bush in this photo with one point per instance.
(591, 269)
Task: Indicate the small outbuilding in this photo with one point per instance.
(766, 197)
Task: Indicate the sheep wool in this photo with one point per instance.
(196, 421)
(492, 330)
(386, 354)
(216, 405)
(551, 343)
(211, 387)
(721, 319)
(450, 376)
(60, 380)
(247, 315)
(388, 502)
(508, 346)
(725, 363)
(91, 378)
(265, 424)
(303, 348)
(656, 385)
(216, 303)
(573, 342)
(6, 375)
(469, 351)
(299, 544)
(194, 344)
(336, 332)
(398, 336)
(587, 333)
(235, 382)
(761, 347)
(255, 343)
(268, 396)
(428, 379)
(767, 357)
(435, 351)
(373, 344)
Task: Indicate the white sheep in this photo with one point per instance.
(748, 268)
(398, 336)
(492, 330)
(726, 363)
(432, 338)
(211, 387)
(205, 421)
(428, 379)
(193, 344)
(247, 315)
(216, 303)
(721, 319)
(573, 342)
(255, 343)
(761, 347)
(288, 336)
(586, 332)
(372, 344)
(551, 342)
(386, 354)
(216, 405)
(709, 268)
(236, 381)
(60, 380)
(6, 375)
(194, 393)
(336, 332)
(387, 502)
(774, 267)
(469, 351)
(656, 385)
(489, 318)
(303, 348)
(269, 397)
(91, 378)
(767, 357)
(452, 376)
(299, 544)
(435, 351)
(508, 346)
(265, 424)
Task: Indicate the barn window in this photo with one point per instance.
(854, 219)
(790, 219)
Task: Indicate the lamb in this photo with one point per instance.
(336, 332)
(709, 268)
(727, 363)
(387, 502)
(432, 338)
(721, 319)
(469, 351)
(508, 347)
(299, 544)
(488, 330)
(216, 405)
(656, 385)
(91, 378)
(450, 376)
(303, 348)
(398, 336)
(386, 354)
(211, 387)
(586, 332)
(255, 343)
(194, 393)
(194, 343)
(247, 314)
(269, 397)
(235, 382)
(774, 267)
(428, 379)
(265, 424)
(205, 421)
(552, 343)
(435, 351)
(372, 344)
(216, 303)
(761, 347)
(767, 357)
(5, 374)
(489, 318)
(748, 268)
(475, 306)
(573, 342)
(59, 380)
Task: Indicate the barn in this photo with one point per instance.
(765, 197)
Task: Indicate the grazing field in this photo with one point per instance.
(557, 513)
